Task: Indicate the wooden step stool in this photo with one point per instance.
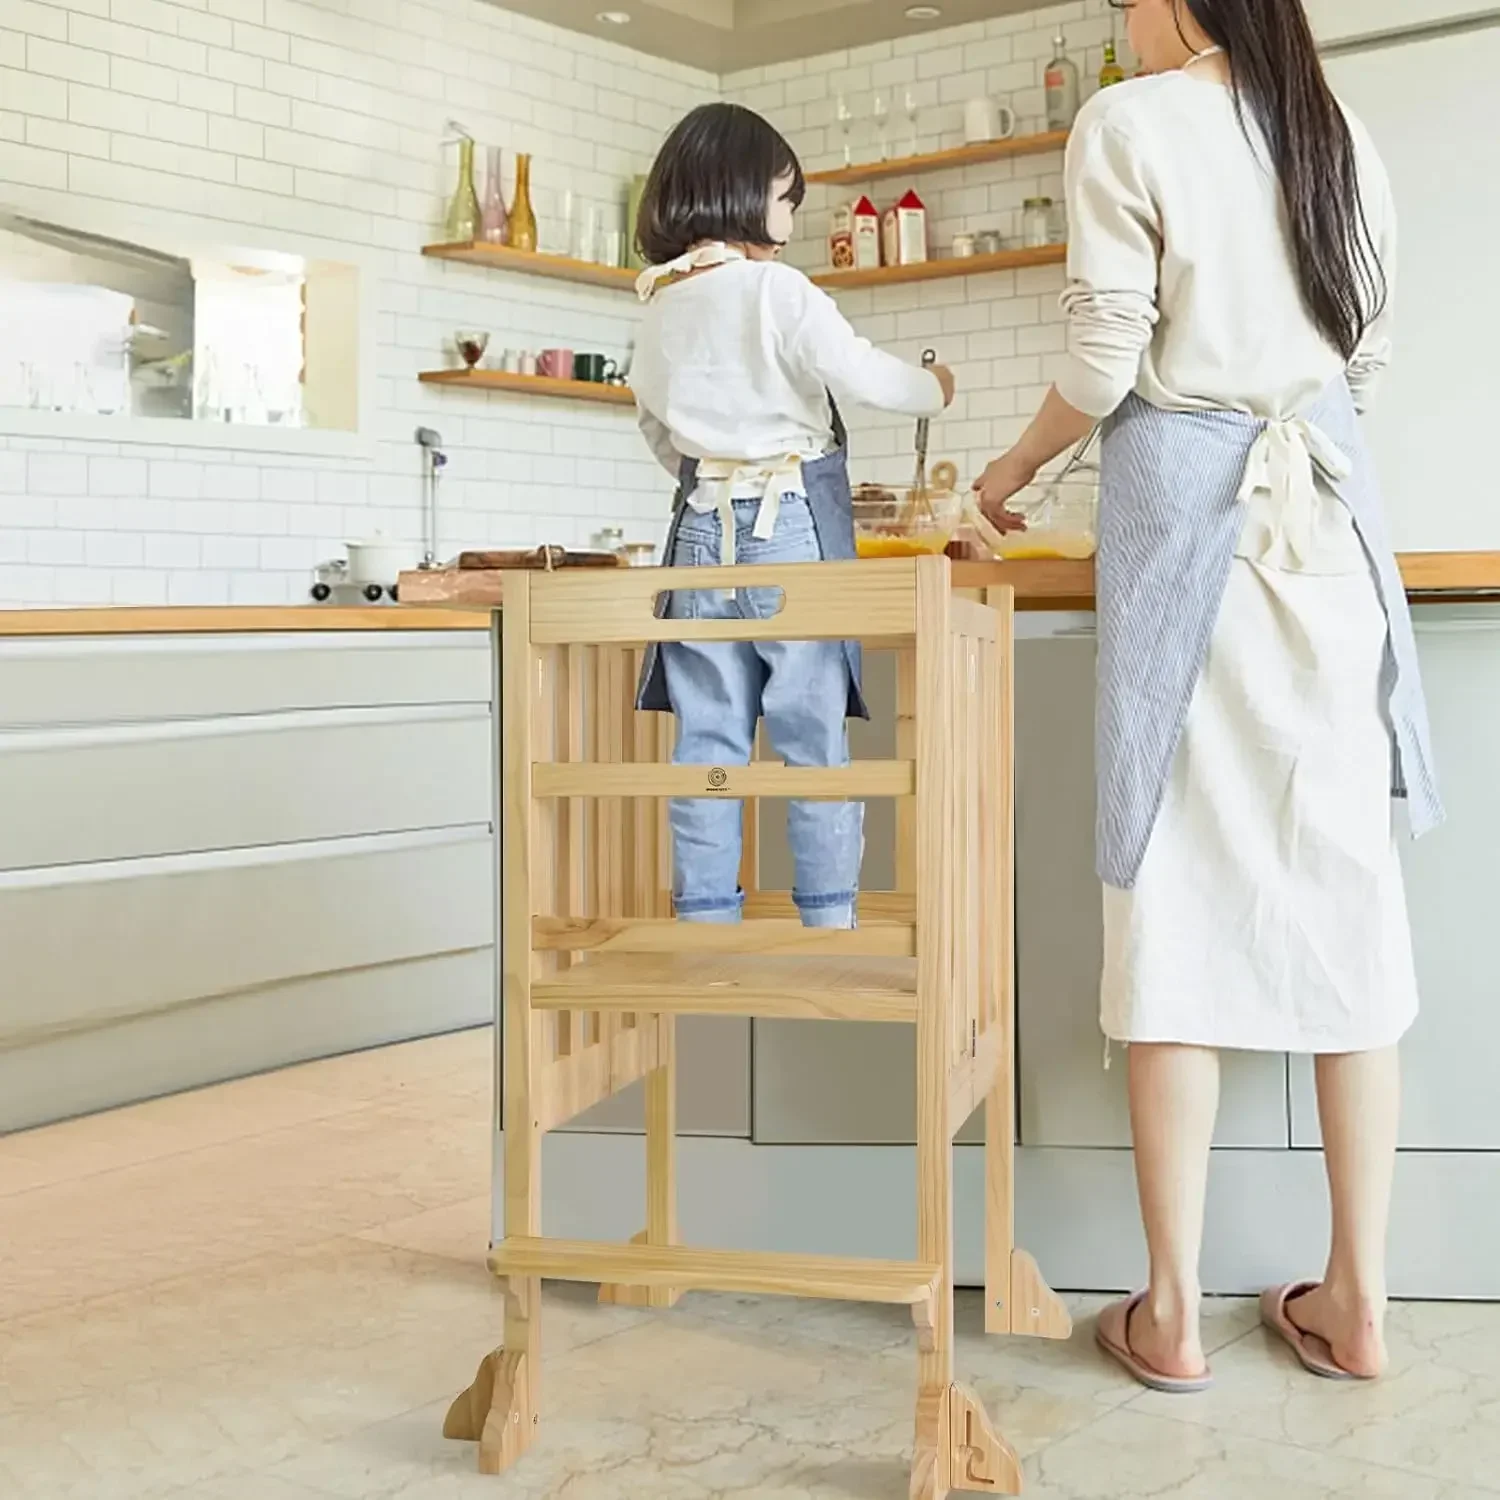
(594, 969)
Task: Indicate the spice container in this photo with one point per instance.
(989, 242)
(1036, 223)
(963, 246)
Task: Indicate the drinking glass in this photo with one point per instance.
(909, 100)
(846, 120)
(882, 112)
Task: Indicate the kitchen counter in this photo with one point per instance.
(1431, 577)
(236, 838)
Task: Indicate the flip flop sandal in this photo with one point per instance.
(1126, 1357)
(1312, 1352)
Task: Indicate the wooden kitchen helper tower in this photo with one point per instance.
(594, 969)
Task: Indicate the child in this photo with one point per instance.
(737, 366)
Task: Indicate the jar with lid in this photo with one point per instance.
(608, 539)
(1036, 223)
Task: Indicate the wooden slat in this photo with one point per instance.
(776, 936)
(934, 752)
(834, 989)
(874, 906)
(1000, 1100)
(821, 601)
(893, 1282)
(972, 619)
(942, 161)
(605, 779)
(521, 1030)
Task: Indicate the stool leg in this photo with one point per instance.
(661, 1171)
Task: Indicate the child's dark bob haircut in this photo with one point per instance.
(712, 181)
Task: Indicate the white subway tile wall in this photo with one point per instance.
(326, 117)
(1002, 333)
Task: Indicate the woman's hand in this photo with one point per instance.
(1003, 479)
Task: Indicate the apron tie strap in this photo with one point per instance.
(1285, 463)
(715, 253)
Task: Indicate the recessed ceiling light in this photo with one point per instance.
(923, 12)
(614, 17)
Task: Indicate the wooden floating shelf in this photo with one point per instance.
(941, 270)
(533, 263)
(943, 161)
(531, 385)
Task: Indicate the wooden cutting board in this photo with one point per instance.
(540, 558)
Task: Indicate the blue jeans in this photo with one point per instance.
(719, 690)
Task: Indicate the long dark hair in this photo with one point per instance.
(712, 181)
(1278, 77)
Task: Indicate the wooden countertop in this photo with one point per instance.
(450, 600)
(235, 620)
(1431, 578)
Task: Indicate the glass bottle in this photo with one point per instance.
(495, 218)
(521, 232)
(463, 213)
(1111, 73)
(1062, 87)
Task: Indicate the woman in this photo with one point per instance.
(1229, 306)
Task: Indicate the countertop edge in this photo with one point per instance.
(237, 620)
(1040, 584)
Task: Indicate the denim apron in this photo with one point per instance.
(830, 503)
(1171, 506)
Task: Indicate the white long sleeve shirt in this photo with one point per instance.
(1182, 285)
(736, 363)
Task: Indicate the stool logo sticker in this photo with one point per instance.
(718, 779)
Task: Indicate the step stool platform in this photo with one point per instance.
(837, 1278)
(828, 989)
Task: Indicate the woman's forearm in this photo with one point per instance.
(1057, 427)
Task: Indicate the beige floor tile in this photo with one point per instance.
(223, 1203)
(460, 1231)
(425, 1074)
(249, 1485)
(149, 1391)
(169, 1126)
(1437, 1412)
(724, 1396)
(1131, 1453)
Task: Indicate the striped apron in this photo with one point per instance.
(1173, 499)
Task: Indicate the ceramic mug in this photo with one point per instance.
(597, 369)
(528, 362)
(557, 364)
(984, 120)
(511, 363)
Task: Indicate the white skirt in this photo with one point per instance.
(1270, 913)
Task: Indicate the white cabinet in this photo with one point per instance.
(224, 853)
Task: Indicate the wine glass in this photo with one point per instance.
(909, 100)
(882, 112)
(846, 120)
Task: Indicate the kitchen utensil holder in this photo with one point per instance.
(594, 970)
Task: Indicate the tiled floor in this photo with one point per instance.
(270, 1290)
